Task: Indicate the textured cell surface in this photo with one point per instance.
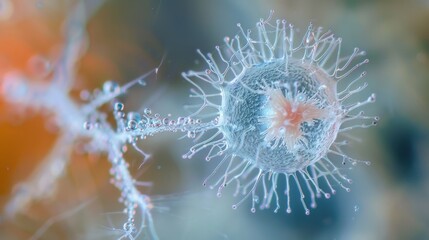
(277, 112)
(249, 118)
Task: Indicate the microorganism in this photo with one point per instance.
(277, 112)
(86, 123)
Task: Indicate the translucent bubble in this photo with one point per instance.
(119, 106)
(132, 124)
(111, 87)
(147, 111)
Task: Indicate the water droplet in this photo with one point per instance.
(119, 106)
(356, 208)
(165, 121)
(111, 87)
(180, 120)
(132, 124)
(147, 111)
(191, 134)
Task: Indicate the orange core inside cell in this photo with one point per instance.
(287, 116)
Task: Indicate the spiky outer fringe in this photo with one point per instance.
(318, 49)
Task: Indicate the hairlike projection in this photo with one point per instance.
(268, 107)
(277, 111)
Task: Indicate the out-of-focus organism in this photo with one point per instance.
(277, 111)
(83, 123)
